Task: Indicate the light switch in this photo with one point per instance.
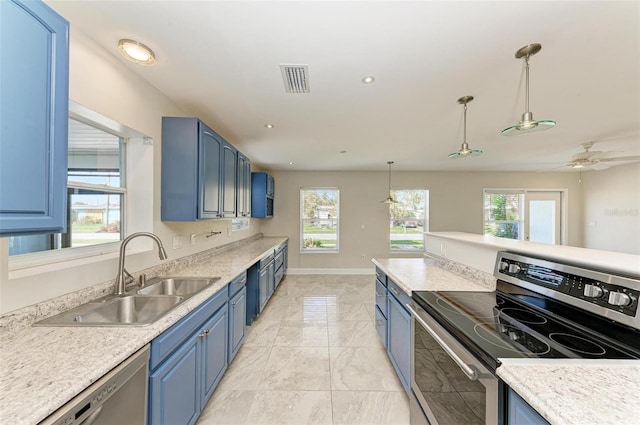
(177, 241)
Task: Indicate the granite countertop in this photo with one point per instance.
(577, 391)
(590, 258)
(428, 274)
(53, 364)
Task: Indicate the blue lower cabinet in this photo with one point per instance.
(187, 361)
(381, 327)
(215, 343)
(520, 413)
(399, 341)
(174, 387)
(237, 321)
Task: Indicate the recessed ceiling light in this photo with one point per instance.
(136, 52)
(343, 151)
(368, 79)
(269, 125)
(290, 162)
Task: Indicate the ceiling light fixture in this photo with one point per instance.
(389, 199)
(527, 124)
(368, 79)
(136, 52)
(464, 151)
(269, 126)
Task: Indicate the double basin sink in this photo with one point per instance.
(141, 306)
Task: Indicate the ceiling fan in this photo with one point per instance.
(596, 160)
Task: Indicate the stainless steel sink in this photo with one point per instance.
(132, 309)
(137, 307)
(184, 286)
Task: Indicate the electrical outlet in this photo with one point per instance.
(177, 241)
(193, 239)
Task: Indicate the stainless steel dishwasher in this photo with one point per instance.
(119, 397)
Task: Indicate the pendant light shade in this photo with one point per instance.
(390, 199)
(464, 151)
(527, 124)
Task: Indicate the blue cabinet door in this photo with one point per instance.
(399, 340)
(381, 326)
(174, 387)
(262, 199)
(520, 413)
(229, 179)
(34, 112)
(244, 186)
(264, 286)
(210, 146)
(237, 321)
(215, 343)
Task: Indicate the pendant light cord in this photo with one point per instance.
(526, 96)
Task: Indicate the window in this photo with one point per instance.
(95, 193)
(409, 220)
(319, 219)
(532, 215)
(110, 191)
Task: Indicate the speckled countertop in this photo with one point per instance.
(563, 391)
(577, 391)
(431, 274)
(41, 368)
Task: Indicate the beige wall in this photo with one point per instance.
(611, 213)
(99, 81)
(455, 204)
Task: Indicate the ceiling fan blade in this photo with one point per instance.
(598, 166)
(620, 158)
(584, 155)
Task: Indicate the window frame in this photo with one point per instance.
(425, 222)
(66, 257)
(303, 249)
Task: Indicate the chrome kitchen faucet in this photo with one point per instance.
(120, 278)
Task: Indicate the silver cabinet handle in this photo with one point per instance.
(471, 373)
(233, 304)
(204, 333)
(394, 290)
(379, 295)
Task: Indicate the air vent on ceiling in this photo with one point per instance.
(296, 78)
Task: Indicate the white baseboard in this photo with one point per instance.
(369, 271)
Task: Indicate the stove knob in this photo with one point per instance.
(514, 268)
(619, 299)
(593, 291)
(503, 266)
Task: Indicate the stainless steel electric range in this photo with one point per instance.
(540, 309)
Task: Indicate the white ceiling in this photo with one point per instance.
(219, 61)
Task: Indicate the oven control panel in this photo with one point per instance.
(609, 292)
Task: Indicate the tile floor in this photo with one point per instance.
(312, 357)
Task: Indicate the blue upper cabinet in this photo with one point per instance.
(34, 111)
(262, 194)
(199, 172)
(230, 180)
(243, 191)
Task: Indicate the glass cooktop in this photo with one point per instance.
(497, 325)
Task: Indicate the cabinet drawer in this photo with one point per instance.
(264, 261)
(381, 298)
(398, 293)
(381, 276)
(279, 259)
(173, 337)
(237, 284)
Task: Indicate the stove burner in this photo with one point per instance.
(512, 339)
(469, 305)
(577, 343)
(524, 316)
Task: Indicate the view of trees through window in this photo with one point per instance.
(409, 219)
(504, 214)
(319, 219)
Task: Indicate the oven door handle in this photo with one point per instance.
(468, 370)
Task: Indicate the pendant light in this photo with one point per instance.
(389, 199)
(527, 124)
(464, 151)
